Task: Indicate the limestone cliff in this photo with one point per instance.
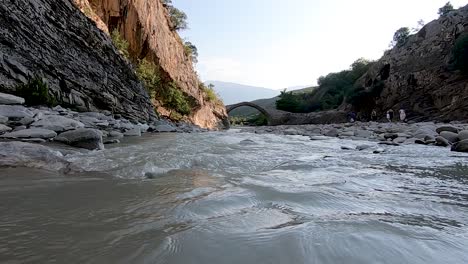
(419, 75)
(53, 39)
(145, 24)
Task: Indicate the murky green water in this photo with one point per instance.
(216, 199)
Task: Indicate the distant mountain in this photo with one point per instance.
(233, 93)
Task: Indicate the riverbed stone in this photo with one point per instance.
(447, 128)
(442, 142)
(22, 154)
(83, 138)
(57, 123)
(9, 99)
(346, 134)
(135, 132)
(15, 111)
(3, 119)
(363, 147)
(399, 140)
(450, 136)
(164, 128)
(463, 135)
(332, 132)
(115, 134)
(111, 141)
(363, 133)
(4, 129)
(461, 146)
(31, 133)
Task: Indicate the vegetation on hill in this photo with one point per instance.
(333, 89)
(460, 53)
(36, 92)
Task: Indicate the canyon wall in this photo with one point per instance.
(54, 40)
(146, 25)
(419, 75)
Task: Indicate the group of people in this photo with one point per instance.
(390, 115)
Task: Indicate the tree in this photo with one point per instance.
(178, 17)
(400, 36)
(445, 9)
(191, 51)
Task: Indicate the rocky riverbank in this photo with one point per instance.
(453, 136)
(20, 126)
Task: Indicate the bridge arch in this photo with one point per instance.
(262, 110)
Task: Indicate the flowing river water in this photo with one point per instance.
(231, 197)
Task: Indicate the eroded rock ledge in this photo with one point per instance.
(53, 39)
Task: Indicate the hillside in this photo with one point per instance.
(232, 93)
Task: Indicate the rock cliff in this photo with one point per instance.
(146, 25)
(419, 75)
(53, 39)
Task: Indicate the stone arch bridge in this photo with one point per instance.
(274, 117)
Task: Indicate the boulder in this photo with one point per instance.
(115, 134)
(8, 99)
(15, 111)
(363, 133)
(3, 119)
(420, 142)
(135, 132)
(379, 150)
(4, 129)
(391, 136)
(447, 128)
(165, 128)
(21, 154)
(442, 142)
(450, 136)
(332, 132)
(461, 146)
(57, 123)
(463, 135)
(82, 138)
(31, 133)
(400, 140)
(363, 147)
(20, 121)
(346, 134)
(111, 141)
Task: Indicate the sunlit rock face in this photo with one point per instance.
(146, 26)
(419, 75)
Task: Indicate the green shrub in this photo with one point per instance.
(210, 93)
(36, 92)
(460, 53)
(120, 43)
(168, 94)
(173, 98)
(150, 75)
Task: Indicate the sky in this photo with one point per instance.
(284, 43)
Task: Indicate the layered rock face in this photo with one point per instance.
(146, 25)
(54, 40)
(419, 76)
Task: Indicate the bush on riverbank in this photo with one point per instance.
(36, 92)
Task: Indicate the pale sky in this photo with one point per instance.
(283, 43)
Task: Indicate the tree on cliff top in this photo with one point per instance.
(446, 9)
(400, 36)
(178, 17)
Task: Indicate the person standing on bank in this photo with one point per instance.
(390, 115)
(402, 115)
(374, 115)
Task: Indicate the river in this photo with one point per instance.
(230, 197)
